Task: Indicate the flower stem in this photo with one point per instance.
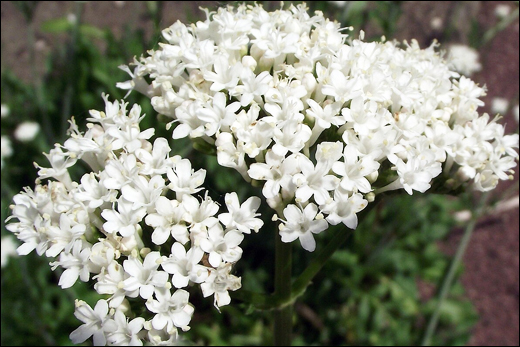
(448, 280)
(282, 329)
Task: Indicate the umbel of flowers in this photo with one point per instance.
(135, 226)
(323, 122)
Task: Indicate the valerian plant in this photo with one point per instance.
(326, 125)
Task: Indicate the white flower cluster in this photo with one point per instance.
(324, 121)
(133, 226)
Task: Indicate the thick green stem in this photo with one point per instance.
(282, 290)
(448, 280)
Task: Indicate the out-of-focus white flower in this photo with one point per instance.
(499, 105)
(463, 59)
(26, 131)
(339, 3)
(8, 249)
(437, 23)
(40, 45)
(515, 112)
(72, 18)
(6, 150)
(4, 110)
(502, 10)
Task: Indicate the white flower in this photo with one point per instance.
(200, 216)
(168, 220)
(231, 154)
(463, 59)
(76, 264)
(314, 181)
(499, 105)
(277, 171)
(96, 323)
(8, 250)
(93, 192)
(219, 283)
(241, 217)
(143, 191)
(222, 246)
(343, 209)
(225, 75)
(354, 170)
(156, 161)
(184, 266)
(6, 149)
(502, 10)
(218, 114)
(417, 172)
(171, 310)
(127, 134)
(26, 131)
(111, 281)
(301, 224)
(64, 236)
(60, 162)
(118, 173)
(185, 180)
(291, 138)
(125, 220)
(127, 331)
(4, 111)
(324, 117)
(161, 337)
(145, 275)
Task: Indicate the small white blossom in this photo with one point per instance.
(301, 224)
(184, 265)
(222, 246)
(219, 283)
(6, 150)
(127, 331)
(145, 275)
(499, 105)
(8, 250)
(171, 310)
(26, 131)
(4, 110)
(96, 323)
(241, 217)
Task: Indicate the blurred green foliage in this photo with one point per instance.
(372, 291)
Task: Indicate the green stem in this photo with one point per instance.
(448, 280)
(282, 329)
(71, 58)
(504, 23)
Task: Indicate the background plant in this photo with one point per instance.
(385, 308)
